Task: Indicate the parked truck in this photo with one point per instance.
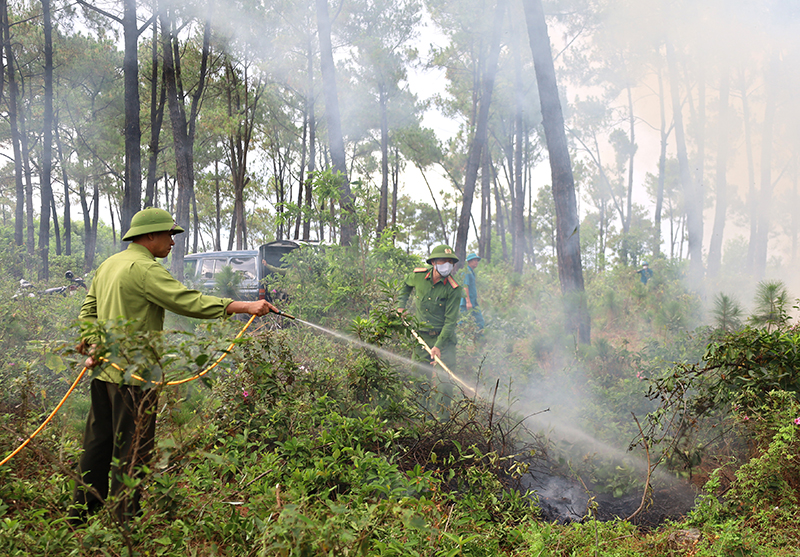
(201, 269)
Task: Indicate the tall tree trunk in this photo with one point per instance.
(518, 220)
(301, 179)
(46, 185)
(698, 116)
(183, 128)
(91, 214)
(502, 208)
(278, 171)
(157, 102)
(487, 244)
(700, 142)
(217, 209)
(662, 165)
(383, 206)
(16, 143)
(177, 116)
(568, 247)
(632, 124)
(481, 131)
(236, 155)
(501, 221)
(626, 223)
(132, 196)
(302, 174)
(242, 105)
(715, 248)
(752, 198)
(309, 182)
(196, 223)
(486, 191)
(395, 187)
(312, 142)
(65, 179)
(335, 139)
(694, 211)
(30, 232)
(113, 222)
(3, 31)
(765, 195)
(56, 231)
(529, 189)
(601, 240)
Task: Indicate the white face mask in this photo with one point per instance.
(444, 269)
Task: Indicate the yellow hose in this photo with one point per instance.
(438, 360)
(209, 368)
(50, 417)
(83, 372)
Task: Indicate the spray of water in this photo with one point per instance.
(566, 498)
(415, 366)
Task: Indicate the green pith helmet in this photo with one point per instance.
(443, 252)
(150, 220)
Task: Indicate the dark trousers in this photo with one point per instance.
(121, 428)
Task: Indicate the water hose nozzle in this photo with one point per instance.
(285, 315)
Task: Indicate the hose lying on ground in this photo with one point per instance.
(83, 372)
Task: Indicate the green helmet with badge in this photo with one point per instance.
(150, 220)
(443, 252)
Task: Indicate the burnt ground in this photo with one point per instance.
(564, 499)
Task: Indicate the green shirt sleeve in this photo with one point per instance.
(133, 286)
(452, 314)
(405, 289)
(89, 307)
(164, 290)
(89, 311)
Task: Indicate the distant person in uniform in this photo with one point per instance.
(437, 298)
(133, 286)
(645, 273)
(469, 303)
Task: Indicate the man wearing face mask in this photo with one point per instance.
(437, 298)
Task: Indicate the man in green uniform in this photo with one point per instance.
(133, 286)
(437, 298)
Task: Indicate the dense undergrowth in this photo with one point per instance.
(302, 443)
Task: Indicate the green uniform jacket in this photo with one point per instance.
(132, 285)
(436, 305)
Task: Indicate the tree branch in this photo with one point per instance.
(85, 4)
(146, 24)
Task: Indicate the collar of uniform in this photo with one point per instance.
(429, 276)
(445, 280)
(141, 249)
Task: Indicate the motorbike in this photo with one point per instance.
(26, 289)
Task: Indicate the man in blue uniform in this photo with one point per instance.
(645, 273)
(469, 303)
